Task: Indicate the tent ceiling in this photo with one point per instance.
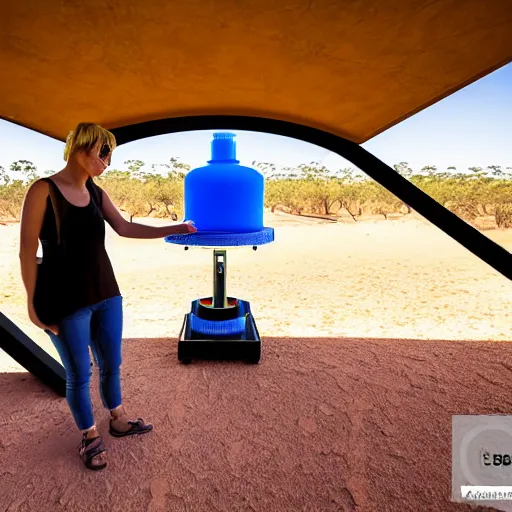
(352, 68)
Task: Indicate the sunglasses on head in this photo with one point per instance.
(104, 152)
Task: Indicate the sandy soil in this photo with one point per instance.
(394, 279)
(366, 356)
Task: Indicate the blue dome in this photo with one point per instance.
(224, 196)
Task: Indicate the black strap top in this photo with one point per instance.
(86, 275)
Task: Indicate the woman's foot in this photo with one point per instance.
(92, 451)
(122, 425)
(119, 419)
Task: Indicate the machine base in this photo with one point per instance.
(244, 346)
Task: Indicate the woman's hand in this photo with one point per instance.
(185, 228)
(35, 320)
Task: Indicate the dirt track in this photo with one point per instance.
(319, 425)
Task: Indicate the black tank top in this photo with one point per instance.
(86, 276)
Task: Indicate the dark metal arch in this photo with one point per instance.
(469, 237)
(49, 371)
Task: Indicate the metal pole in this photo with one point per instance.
(219, 279)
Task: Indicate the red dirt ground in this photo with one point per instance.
(319, 425)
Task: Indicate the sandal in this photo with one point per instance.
(88, 450)
(137, 427)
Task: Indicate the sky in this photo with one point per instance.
(472, 127)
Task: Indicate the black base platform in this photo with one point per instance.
(244, 346)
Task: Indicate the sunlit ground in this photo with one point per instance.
(385, 279)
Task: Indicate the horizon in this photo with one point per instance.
(470, 128)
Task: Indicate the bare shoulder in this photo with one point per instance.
(38, 190)
(34, 206)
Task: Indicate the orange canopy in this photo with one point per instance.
(353, 68)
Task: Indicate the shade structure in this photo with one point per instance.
(325, 71)
(352, 68)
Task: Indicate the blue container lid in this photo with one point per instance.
(218, 239)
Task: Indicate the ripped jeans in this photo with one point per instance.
(99, 326)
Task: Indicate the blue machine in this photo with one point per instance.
(225, 201)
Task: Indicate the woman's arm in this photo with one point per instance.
(32, 215)
(133, 230)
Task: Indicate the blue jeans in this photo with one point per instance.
(100, 327)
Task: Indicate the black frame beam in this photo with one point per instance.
(31, 356)
(484, 248)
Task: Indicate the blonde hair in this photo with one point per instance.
(85, 136)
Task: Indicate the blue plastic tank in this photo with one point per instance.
(223, 195)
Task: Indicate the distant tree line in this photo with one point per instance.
(307, 189)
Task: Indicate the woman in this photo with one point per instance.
(73, 295)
